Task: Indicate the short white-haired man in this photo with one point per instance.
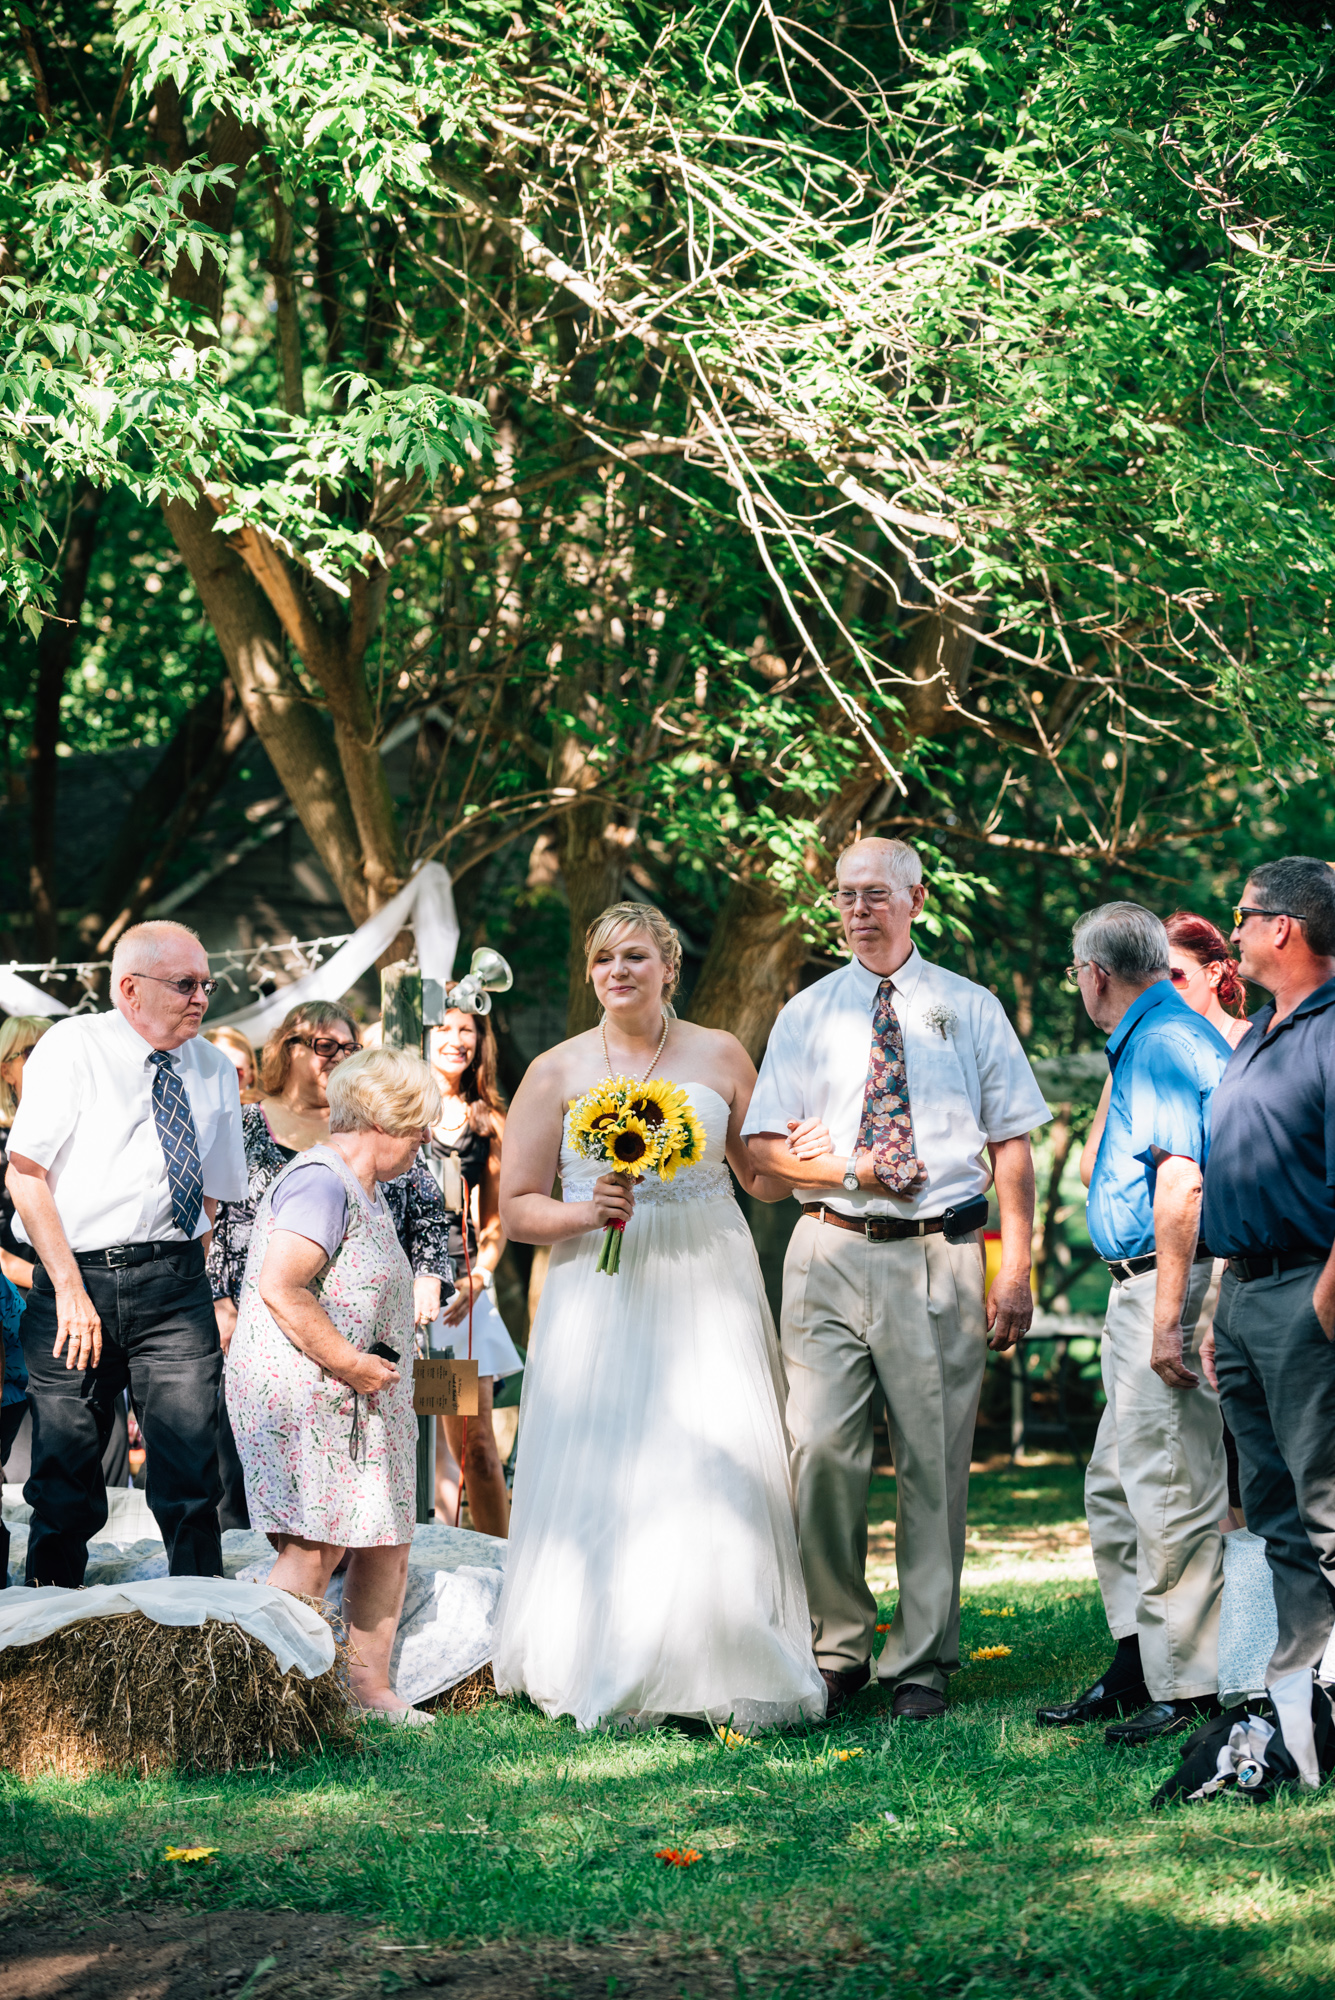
(922, 1097)
(1156, 1485)
(127, 1137)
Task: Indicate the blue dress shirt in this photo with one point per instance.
(1165, 1062)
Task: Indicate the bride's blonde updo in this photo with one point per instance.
(640, 917)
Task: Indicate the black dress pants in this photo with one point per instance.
(159, 1337)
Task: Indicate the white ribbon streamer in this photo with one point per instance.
(426, 902)
(20, 996)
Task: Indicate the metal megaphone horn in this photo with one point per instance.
(487, 974)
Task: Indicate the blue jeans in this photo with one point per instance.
(159, 1337)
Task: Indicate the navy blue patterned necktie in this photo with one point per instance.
(180, 1147)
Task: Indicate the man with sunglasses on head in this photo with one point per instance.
(127, 1137)
(1270, 1210)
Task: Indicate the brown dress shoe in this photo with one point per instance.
(841, 1686)
(916, 1703)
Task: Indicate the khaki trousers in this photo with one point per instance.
(910, 1316)
(1154, 1491)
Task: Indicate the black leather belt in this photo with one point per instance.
(1132, 1267)
(1269, 1265)
(876, 1228)
(121, 1255)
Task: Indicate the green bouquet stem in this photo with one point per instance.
(609, 1258)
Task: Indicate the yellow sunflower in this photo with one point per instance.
(591, 1114)
(630, 1145)
(689, 1147)
(658, 1103)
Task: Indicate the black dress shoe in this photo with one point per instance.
(1163, 1718)
(917, 1703)
(1094, 1705)
(841, 1685)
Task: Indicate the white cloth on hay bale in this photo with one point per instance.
(449, 1610)
(294, 1632)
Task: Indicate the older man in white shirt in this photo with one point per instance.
(923, 1098)
(127, 1137)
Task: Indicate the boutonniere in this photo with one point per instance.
(944, 1019)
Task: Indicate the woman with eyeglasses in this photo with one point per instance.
(292, 1115)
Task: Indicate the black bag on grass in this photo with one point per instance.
(1245, 1751)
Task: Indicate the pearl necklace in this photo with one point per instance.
(662, 1044)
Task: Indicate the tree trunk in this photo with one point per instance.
(755, 959)
(300, 747)
(752, 966)
(56, 649)
(593, 867)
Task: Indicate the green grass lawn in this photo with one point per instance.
(1016, 1861)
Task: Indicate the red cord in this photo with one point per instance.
(468, 1267)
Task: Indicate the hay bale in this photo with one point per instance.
(124, 1694)
(467, 1695)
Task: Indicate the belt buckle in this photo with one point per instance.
(879, 1228)
(118, 1257)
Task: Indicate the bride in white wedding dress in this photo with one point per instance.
(653, 1566)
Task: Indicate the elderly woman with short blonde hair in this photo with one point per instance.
(319, 1375)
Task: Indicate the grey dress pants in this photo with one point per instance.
(1276, 1373)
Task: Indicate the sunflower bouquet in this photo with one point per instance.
(635, 1129)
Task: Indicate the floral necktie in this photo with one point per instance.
(886, 1131)
(180, 1147)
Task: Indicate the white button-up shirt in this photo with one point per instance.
(86, 1115)
(969, 1080)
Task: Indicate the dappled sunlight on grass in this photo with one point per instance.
(977, 1854)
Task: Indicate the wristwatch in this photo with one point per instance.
(851, 1176)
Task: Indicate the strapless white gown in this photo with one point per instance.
(653, 1566)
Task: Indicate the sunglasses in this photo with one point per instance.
(185, 987)
(326, 1047)
(1251, 910)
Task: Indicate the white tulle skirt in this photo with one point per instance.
(653, 1566)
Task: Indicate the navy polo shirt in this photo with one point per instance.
(1270, 1181)
(1166, 1061)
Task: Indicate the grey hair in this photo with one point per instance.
(1305, 888)
(903, 864)
(144, 944)
(1126, 939)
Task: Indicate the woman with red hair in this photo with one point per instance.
(1205, 973)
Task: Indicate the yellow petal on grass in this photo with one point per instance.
(192, 1853)
(843, 1755)
(990, 1653)
(732, 1739)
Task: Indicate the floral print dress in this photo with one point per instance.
(413, 1200)
(297, 1428)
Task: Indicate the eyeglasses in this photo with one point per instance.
(1181, 978)
(185, 987)
(1073, 972)
(1251, 910)
(326, 1047)
(847, 899)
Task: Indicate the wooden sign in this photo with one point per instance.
(445, 1388)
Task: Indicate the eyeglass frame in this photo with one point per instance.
(1245, 910)
(1071, 973)
(345, 1049)
(881, 892)
(185, 987)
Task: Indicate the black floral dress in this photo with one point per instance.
(413, 1201)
